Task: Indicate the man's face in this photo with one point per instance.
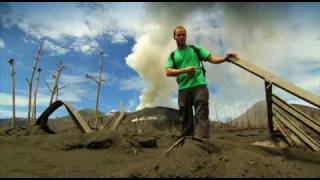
(180, 36)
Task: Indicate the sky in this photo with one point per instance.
(136, 39)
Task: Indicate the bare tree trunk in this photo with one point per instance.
(34, 110)
(37, 57)
(58, 89)
(99, 82)
(56, 80)
(57, 94)
(13, 122)
(98, 90)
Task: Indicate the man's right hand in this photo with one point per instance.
(176, 72)
(190, 70)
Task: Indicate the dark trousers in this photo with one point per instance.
(197, 97)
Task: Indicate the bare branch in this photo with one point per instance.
(48, 86)
(92, 78)
(63, 87)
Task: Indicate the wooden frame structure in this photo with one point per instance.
(281, 115)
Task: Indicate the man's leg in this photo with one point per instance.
(186, 113)
(201, 102)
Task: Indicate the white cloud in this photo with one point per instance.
(85, 46)
(54, 50)
(118, 38)
(2, 44)
(8, 113)
(132, 105)
(73, 94)
(75, 21)
(22, 100)
(132, 83)
(73, 79)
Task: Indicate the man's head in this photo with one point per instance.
(180, 35)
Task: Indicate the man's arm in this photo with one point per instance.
(176, 72)
(217, 59)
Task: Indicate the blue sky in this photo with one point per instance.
(136, 39)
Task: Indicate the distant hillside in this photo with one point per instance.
(154, 117)
(161, 118)
(310, 111)
(256, 116)
(6, 123)
(65, 123)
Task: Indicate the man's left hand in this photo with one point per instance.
(230, 55)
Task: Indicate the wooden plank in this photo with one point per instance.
(277, 81)
(296, 130)
(300, 116)
(284, 132)
(119, 119)
(43, 118)
(175, 144)
(81, 123)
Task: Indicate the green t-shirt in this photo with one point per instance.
(187, 57)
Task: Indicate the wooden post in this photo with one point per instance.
(99, 82)
(34, 109)
(56, 80)
(98, 90)
(37, 58)
(120, 118)
(268, 90)
(13, 122)
(58, 89)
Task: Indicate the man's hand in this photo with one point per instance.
(190, 70)
(176, 72)
(230, 55)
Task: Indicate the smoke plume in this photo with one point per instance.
(261, 33)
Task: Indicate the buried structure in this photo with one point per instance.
(75, 116)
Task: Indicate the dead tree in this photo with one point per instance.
(48, 86)
(99, 82)
(36, 58)
(34, 109)
(13, 122)
(51, 89)
(56, 78)
(58, 89)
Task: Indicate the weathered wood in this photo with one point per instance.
(13, 121)
(58, 89)
(30, 81)
(56, 78)
(175, 144)
(119, 119)
(268, 92)
(277, 81)
(76, 117)
(286, 134)
(296, 130)
(297, 114)
(99, 82)
(34, 107)
(181, 141)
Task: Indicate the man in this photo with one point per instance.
(184, 63)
